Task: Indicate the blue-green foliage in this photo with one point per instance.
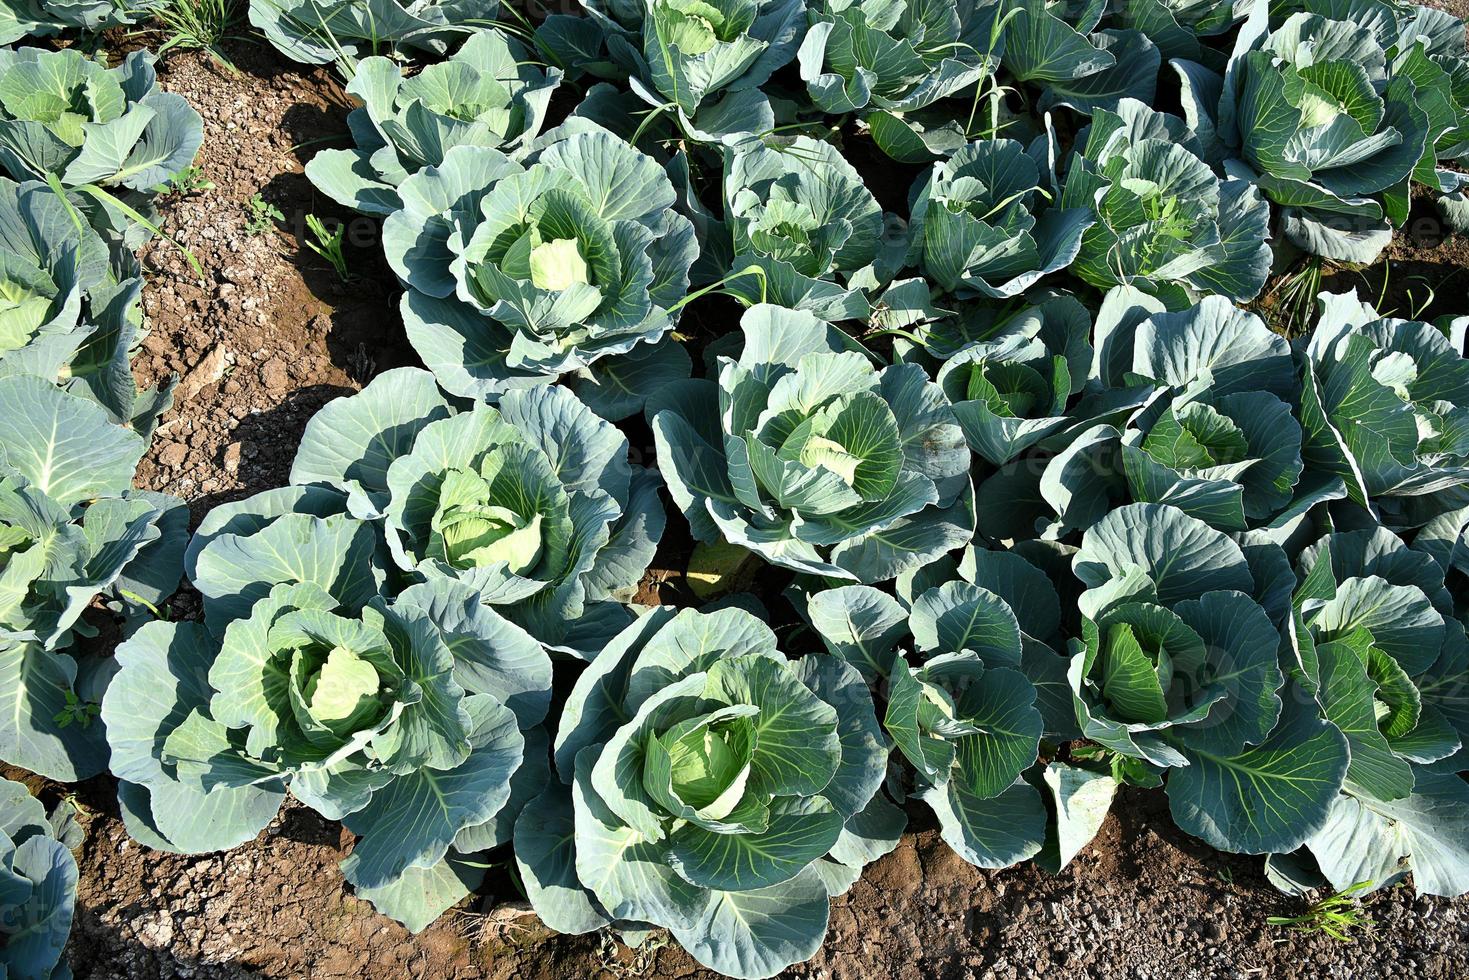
(944, 344)
(38, 888)
(72, 533)
(65, 116)
(522, 267)
(486, 94)
(707, 784)
(318, 32)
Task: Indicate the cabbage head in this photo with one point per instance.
(1026, 384)
(962, 666)
(1333, 113)
(705, 60)
(1193, 409)
(710, 786)
(801, 214)
(413, 720)
(532, 505)
(520, 268)
(1376, 635)
(1385, 407)
(1178, 665)
(888, 60)
(1163, 219)
(979, 227)
(806, 454)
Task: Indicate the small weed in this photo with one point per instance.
(76, 710)
(1336, 916)
(1295, 297)
(634, 960)
(263, 216)
(198, 25)
(190, 180)
(1124, 769)
(328, 245)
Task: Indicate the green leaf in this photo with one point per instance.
(337, 554)
(1183, 556)
(1269, 797)
(758, 933)
(158, 686)
(859, 624)
(1371, 838)
(1130, 681)
(800, 832)
(993, 832)
(1347, 697)
(628, 873)
(40, 923)
(65, 446)
(420, 895)
(797, 748)
(352, 441)
(864, 750)
(1081, 799)
(411, 822)
(545, 853)
(959, 616)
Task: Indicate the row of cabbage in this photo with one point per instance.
(1083, 521)
(84, 151)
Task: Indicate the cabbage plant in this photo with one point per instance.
(1163, 220)
(1384, 404)
(72, 532)
(1181, 28)
(411, 720)
(47, 18)
(1377, 637)
(1062, 48)
(38, 888)
(486, 94)
(1026, 383)
(1220, 442)
(65, 314)
(1332, 116)
(71, 119)
(1177, 665)
(889, 60)
(342, 32)
(21, 19)
(963, 665)
(802, 215)
(704, 61)
(710, 786)
(809, 456)
(531, 505)
(522, 268)
(1191, 409)
(979, 227)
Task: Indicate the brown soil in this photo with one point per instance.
(1143, 901)
(270, 333)
(265, 339)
